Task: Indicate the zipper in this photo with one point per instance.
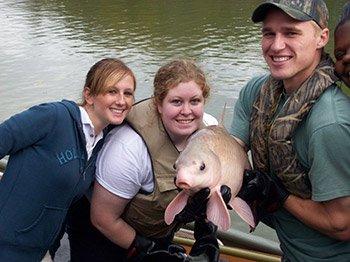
(87, 167)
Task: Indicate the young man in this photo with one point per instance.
(296, 123)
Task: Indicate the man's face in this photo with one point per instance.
(291, 48)
(342, 52)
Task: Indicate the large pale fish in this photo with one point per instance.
(212, 158)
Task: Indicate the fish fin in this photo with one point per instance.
(221, 121)
(243, 210)
(175, 207)
(217, 212)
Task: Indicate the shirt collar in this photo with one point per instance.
(89, 131)
(85, 119)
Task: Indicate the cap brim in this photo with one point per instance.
(260, 12)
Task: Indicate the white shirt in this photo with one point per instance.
(123, 165)
(209, 120)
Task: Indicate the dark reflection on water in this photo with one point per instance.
(47, 46)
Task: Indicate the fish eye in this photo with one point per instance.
(174, 166)
(202, 167)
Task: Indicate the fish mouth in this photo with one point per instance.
(183, 185)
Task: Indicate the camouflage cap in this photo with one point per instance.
(302, 10)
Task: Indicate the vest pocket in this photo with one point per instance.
(166, 182)
(44, 229)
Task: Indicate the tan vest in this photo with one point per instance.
(272, 140)
(145, 213)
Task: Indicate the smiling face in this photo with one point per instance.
(113, 104)
(342, 52)
(182, 111)
(291, 48)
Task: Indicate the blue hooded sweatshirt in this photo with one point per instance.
(47, 171)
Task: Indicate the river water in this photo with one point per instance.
(47, 47)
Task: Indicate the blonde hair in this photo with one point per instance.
(175, 72)
(104, 70)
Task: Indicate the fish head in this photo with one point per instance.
(197, 169)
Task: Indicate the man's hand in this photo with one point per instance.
(196, 207)
(197, 204)
(206, 247)
(144, 249)
(257, 185)
(226, 195)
